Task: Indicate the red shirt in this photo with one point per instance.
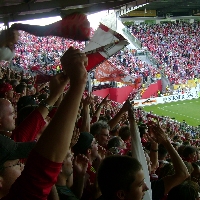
(29, 128)
(36, 180)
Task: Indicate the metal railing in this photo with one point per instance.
(132, 38)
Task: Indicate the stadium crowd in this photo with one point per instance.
(47, 51)
(63, 143)
(175, 45)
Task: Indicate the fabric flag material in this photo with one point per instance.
(110, 72)
(75, 26)
(40, 77)
(104, 43)
(138, 153)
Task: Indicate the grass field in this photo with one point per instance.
(188, 110)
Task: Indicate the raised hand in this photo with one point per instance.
(87, 100)
(105, 100)
(159, 134)
(75, 137)
(101, 152)
(79, 61)
(126, 106)
(80, 164)
(57, 84)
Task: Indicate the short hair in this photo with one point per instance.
(20, 88)
(96, 128)
(162, 151)
(14, 82)
(188, 150)
(187, 190)
(166, 170)
(24, 112)
(124, 132)
(180, 150)
(116, 172)
(114, 142)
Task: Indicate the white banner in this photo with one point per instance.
(193, 94)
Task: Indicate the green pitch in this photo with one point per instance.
(188, 110)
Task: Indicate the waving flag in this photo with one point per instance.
(138, 153)
(75, 26)
(108, 71)
(104, 43)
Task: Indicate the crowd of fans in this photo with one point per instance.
(74, 145)
(175, 45)
(42, 54)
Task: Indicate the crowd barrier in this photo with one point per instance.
(193, 94)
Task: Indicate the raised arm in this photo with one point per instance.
(85, 125)
(181, 172)
(32, 125)
(99, 107)
(113, 122)
(56, 139)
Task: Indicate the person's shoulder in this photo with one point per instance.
(65, 193)
(158, 189)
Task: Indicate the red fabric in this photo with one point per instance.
(87, 192)
(108, 71)
(103, 27)
(29, 128)
(52, 112)
(5, 87)
(42, 78)
(116, 94)
(94, 59)
(75, 26)
(92, 175)
(36, 180)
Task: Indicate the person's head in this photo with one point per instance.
(115, 130)
(188, 190)
(6, 91)
(21, 89)
(31, 90)
(7, 115)
(86, 145)
(14, 82)
(124, 133)
(189, 153)
(180, 150)
(25, 101)
(187, 136)
(162, 152)
(10, 167)
(142, 130)
(24, 112)
(121, 177)
(100, 130)
(116, 142)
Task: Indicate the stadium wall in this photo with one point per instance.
(193, 94)
(116, 94)
(152, 90)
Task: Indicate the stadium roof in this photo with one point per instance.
(19, 10)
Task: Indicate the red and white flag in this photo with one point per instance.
(104, 43)
(111, 72)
